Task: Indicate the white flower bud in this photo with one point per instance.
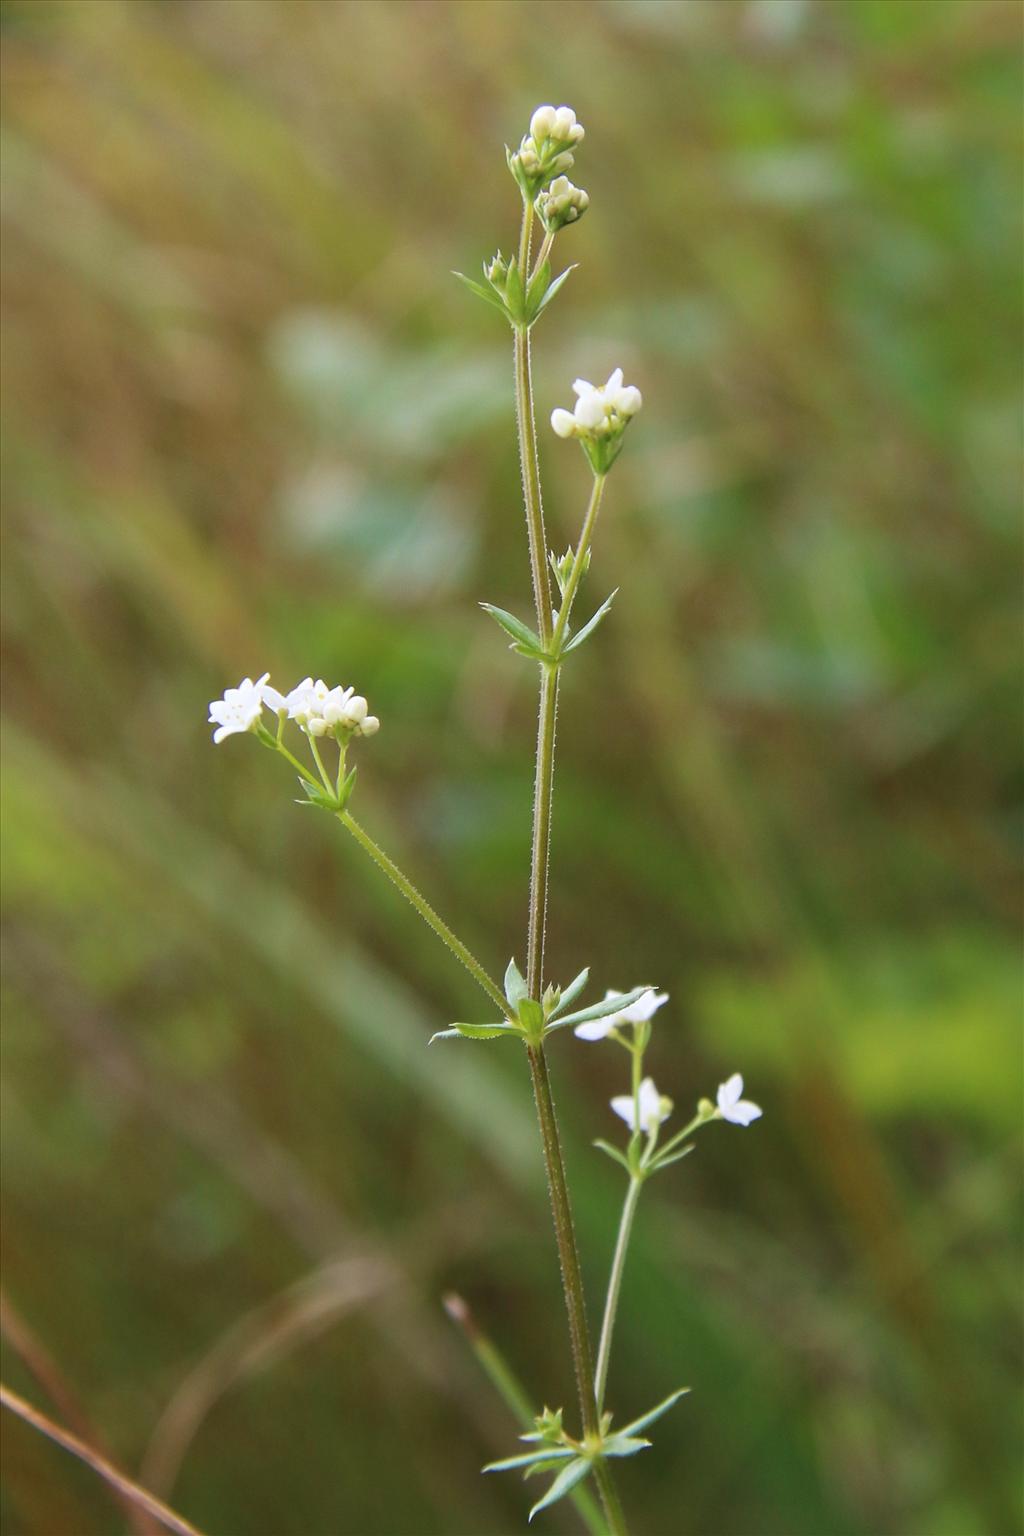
(542, 123)
(355, 711)
(316, 726)
(564, 123)
(628, 400)
(590, 410)
(563, 423)
(370, 726)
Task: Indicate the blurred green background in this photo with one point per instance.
(251, 422)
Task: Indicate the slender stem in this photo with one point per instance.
(426, 911)
(543, 797)
(579, 561)
(320, 765)
(572, 1280)
(544, 252)
(604, 1348)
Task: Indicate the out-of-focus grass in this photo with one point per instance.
(251, 422)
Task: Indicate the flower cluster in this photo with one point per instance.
(315, 708)
(547, 150)
(599, 418)
(645, 1109)
(561, 204)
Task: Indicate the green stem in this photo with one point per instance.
(513, 1394)
(604, 1348)
(579, 561)
(543, 797)
(425, 910)
(572, 1280)
(320, 765)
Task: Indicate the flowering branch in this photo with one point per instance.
(528, 1009)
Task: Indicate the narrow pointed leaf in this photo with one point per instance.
(531, 1015)
(553, 289)
(590, 626)
(515, 985)
(540, 1467)
(673, 1157)
(620, 1157)
(538, 286)
(564, 1483)
(473, 1032)
(625, 1445)
(655, 1413)
(572, 991)
(529, 1457)
(523, 637)
(482, 291)
(603, 1009)
(514, 291)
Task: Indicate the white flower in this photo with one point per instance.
(239, 710)
(653, 1108)
(732, 1107)
(317, 709)
(601, 410)
(646, 1005)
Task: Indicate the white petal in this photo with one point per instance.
(614, 382)
(744, 1112)
(596, 1029)
(623, 1106)
(590, 410)
(729, 1092)
(563, 423)
(541, 123)
(646, 1005)
(628, 400)
(275, 702)
(582, 387)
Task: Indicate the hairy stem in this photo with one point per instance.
(578, 563)
(604, 1348)
(425, 910)
(572, 1279)
(540, 849)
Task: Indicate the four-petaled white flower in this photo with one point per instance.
(240, 708)
(601, 409)
(653, 1107)
(646, 1005)
(732, 1106)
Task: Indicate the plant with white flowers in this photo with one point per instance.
(329, 720)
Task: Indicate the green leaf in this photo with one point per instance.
(523, 638)
(655, 1413)
(473, 1032)
(620, 1157)
(482, 291)
(590, 626)
(552, 290)
(550, 1464)
(601, 1010)
(514, 297)
(673, 1157)
(624, 1445)
(564, 1483)
(515, 985)
(537, 291)
(572, 991)
(549, 1453)
(531, 1016)
(347, 786)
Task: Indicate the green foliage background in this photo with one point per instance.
(252, 422)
